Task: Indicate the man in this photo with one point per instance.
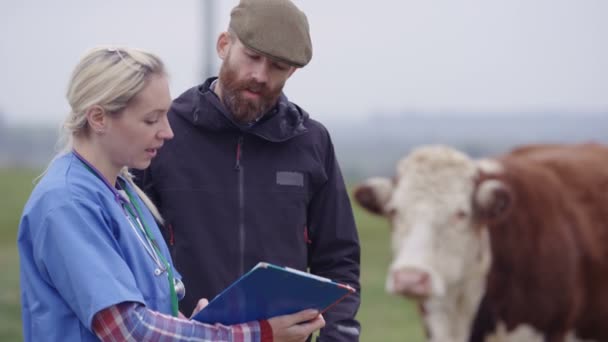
(250, 176)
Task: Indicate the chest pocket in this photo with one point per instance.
(276, 212)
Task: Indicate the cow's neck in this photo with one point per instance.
(450, 318)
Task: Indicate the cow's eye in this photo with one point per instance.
(461, 214)
(391, 212)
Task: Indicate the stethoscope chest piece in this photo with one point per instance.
(180, 289)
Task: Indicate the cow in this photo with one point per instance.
(511, 248)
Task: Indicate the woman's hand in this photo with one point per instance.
(199, 306)
(296, 327)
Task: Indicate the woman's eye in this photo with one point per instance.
(150, 122)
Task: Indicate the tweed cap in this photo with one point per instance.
(275, 28)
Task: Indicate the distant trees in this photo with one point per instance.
(373, 147)
(25, 145)
(2, 128)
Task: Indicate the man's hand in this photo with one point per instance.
(296, 327)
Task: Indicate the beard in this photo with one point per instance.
(246, 110)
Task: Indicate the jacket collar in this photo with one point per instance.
(203, 108)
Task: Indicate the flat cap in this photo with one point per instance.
(275, 28)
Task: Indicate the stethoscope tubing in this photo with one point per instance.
(131, 211)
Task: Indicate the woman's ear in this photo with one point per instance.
(97, 119)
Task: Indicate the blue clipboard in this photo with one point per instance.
(267, 291)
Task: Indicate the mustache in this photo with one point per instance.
(256, 87)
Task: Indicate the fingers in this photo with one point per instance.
(313, 325)
(302, 316)
(297, 326)
(202, 303)
(305, 329)
(200, 306)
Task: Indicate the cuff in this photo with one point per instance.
(266, 331)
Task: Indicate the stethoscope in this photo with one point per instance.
(130, 207)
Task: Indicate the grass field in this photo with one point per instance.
(383, 318)
(15, 186)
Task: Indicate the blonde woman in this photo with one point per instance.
(94, 265)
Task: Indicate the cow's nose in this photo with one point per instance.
(412, 282)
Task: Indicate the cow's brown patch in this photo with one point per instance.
(366, 197)
(550, 252)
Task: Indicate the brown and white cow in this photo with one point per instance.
(507, 249)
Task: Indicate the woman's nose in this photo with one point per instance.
(166, 132)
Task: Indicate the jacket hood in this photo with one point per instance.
(201, 107)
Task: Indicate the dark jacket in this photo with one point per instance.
(233, 196)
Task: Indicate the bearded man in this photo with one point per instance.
(250, 176)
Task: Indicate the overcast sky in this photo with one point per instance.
(380, 56)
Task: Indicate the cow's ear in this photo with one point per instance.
(492, 199)
(374, 193)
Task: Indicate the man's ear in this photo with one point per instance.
(97, 119)
(223, 44)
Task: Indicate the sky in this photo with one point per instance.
(370, 57)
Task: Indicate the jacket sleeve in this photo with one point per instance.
(334, 250)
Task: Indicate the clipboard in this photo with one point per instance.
(267, 291)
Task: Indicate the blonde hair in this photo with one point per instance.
(108, 77)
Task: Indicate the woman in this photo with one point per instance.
(93, 262)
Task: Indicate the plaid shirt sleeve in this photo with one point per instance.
(131, 321)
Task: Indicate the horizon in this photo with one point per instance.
(7, 122)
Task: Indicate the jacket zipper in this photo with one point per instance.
(241, 193)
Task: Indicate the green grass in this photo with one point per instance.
(10, 311)
(16, 186)
(383, 318)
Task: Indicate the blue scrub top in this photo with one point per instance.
(79, 255)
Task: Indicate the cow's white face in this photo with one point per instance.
(440, 254)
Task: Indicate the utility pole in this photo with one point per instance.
(209, 34)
